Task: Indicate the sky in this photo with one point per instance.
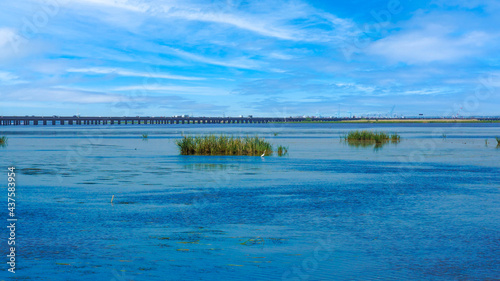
(271, 58)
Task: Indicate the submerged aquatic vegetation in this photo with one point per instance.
(226, 145)
(3, 141)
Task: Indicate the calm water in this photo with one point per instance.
(424, 209)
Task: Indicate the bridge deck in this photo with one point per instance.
(75, 120)
(66, 120)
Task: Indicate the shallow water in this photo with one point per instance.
(425, 208)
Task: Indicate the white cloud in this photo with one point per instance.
(257, 26)
(421, 47)
(356, 87)
(296, 21)
(421, 43)
(433, 92)
(123, 72)
(63, 95)
(6, 36)
(121, 4)
(259, 17)
(280, 56)
(7, 78)
(236, 63)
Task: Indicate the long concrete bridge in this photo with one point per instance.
(80, 120)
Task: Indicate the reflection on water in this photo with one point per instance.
(212, 167)
(368, 144)
(419, 209)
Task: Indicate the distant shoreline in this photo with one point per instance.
(409, 121)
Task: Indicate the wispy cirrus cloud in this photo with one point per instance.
(243, 63)
(6, 36)
(425, 46)
(7, 39)
(219, 54)
(7, 78)
(135, 6)
(63, 95)
(259, 18)
(129, 73)
(427, 37)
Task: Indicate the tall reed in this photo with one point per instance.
(226, 145)
(369, 137)
(282, 150)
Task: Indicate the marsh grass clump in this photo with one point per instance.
(366, 138)
(282, 150)
(395, 137)
(371, 137)
(226, 145)
(3, 141)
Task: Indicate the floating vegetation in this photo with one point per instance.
(3, 141)
(254, 241)
(227, 145)
(188, 242)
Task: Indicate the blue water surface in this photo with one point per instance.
(426, 208)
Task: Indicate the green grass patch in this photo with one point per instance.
(370, 137)
(227, 145)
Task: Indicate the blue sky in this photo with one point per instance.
(265, 58)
